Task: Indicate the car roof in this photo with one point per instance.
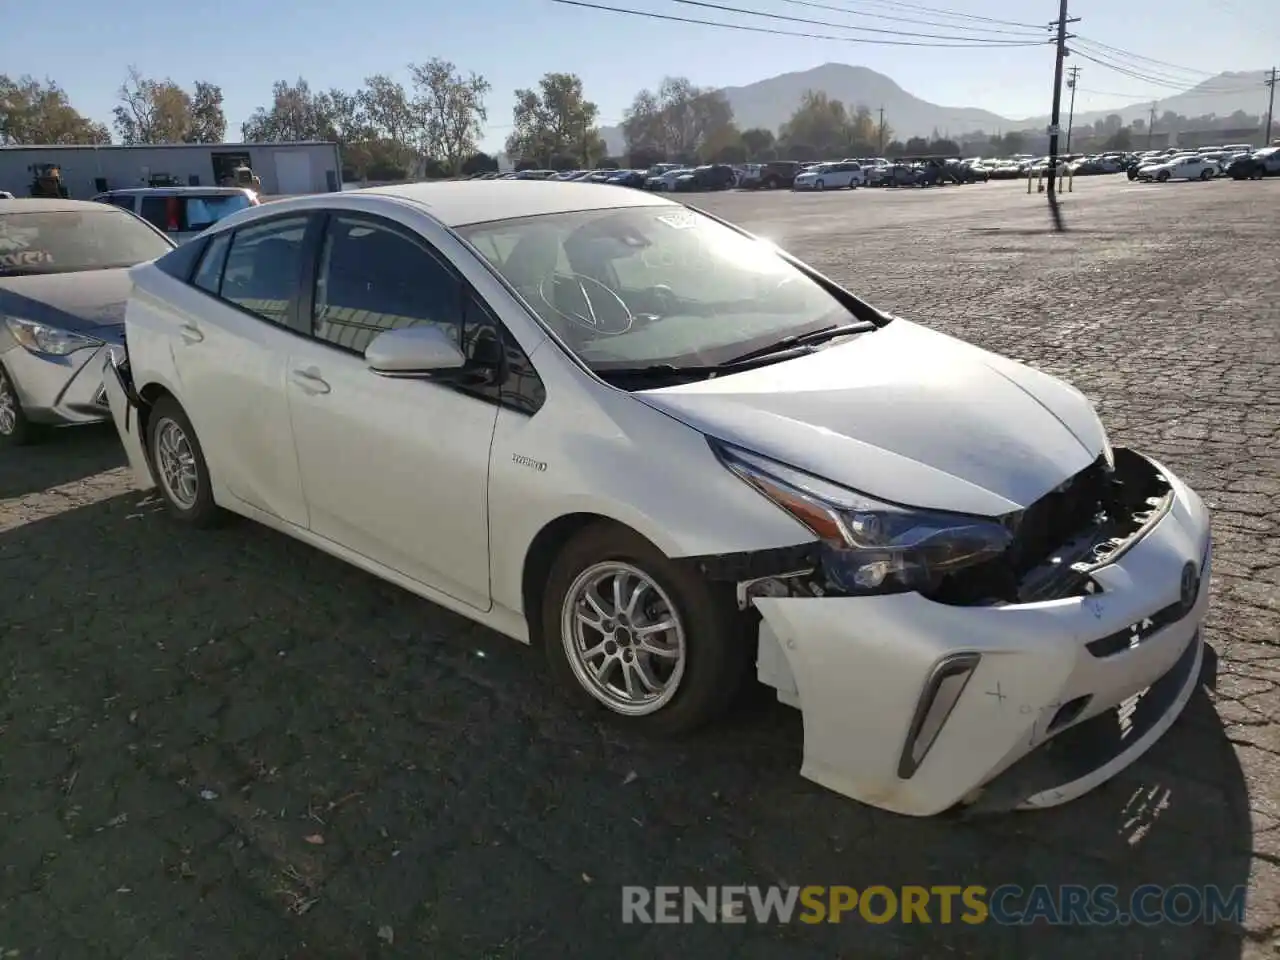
(179, 190)
(49, 205)
(458, 203)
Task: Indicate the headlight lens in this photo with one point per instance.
(869, 546)
(41, 338)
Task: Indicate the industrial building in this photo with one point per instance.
(284, 168)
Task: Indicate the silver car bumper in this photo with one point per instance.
(60, 390)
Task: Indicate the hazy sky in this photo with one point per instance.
(87, 47)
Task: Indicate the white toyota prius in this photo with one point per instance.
(671, 454)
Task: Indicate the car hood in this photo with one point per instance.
(79, 302)
(904, 414)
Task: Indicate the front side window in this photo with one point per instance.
(263, 267)
(375, 277)
(653, 285)
(97, 237)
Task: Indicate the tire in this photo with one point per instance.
(169, 424)
(700, 684)
(16, 429)
(1163, 177)
(1206, 175)
(819, 185)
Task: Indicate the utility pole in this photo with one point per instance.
(881, 150)
(1271, 105)
(1071, 111)
(1151, 124)
(1056, 116)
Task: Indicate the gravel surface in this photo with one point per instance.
(228, 745)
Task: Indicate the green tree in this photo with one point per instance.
(556, 120)
(449, 111)
(479, 162)
(757, 141)
(208, 122)
(35, 112)
(676, 119)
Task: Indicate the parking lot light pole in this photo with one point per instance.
(1071, 110)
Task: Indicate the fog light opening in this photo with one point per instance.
(941, 693)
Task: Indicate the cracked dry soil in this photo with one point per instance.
(228, 745)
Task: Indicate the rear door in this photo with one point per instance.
(235, 326)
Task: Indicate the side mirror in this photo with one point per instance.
(413, 352)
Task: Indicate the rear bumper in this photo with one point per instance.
(916, 706)
(126, 412)
(60, 390)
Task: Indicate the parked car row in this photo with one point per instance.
(1237, 161)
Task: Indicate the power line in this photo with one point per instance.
(1170, 83)
(956, 14)
(1137, 56)
(650, 15)
(707, 5)
(1139, 97)
(1019, 32)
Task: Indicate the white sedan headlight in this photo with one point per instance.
(870, 546)
(42, 338)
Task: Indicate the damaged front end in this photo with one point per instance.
(935, 657)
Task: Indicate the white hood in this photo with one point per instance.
(906, 415)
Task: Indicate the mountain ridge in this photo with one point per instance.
(770, 102)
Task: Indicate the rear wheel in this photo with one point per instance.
(15, 429)
(179, 465)
(1206, 174)
(630, 630)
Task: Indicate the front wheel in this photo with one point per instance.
(179, 465)
(630, 630)
(1206, 174)
(15, 429)
(1163, 176)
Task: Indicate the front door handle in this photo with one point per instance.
(190, 333)
(310, 381)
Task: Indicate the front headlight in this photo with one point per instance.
(42, 338)
(870, 546)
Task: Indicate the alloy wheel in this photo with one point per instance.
(8, 407)
(624, 638)
(177, 463)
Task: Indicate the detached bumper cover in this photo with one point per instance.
(126, 407)
(1023, 676)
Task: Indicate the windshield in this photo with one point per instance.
(67, 242)
(639, 286)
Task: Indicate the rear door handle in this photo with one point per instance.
(310, 381)
(190, 333)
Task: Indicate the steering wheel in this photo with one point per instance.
(607, 316)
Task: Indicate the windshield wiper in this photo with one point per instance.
(803, 340)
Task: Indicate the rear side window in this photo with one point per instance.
(263, 266)
(163, 213)
(181, 261)
(208, 276)
(200, 213)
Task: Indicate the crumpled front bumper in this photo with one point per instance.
(60, 390)
(126, 412)
(874, 677)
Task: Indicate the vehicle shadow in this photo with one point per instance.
(62, 456)
(267, 747)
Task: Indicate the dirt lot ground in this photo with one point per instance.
(230, 746)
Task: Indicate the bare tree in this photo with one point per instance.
(152, 111)
(676, 119)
